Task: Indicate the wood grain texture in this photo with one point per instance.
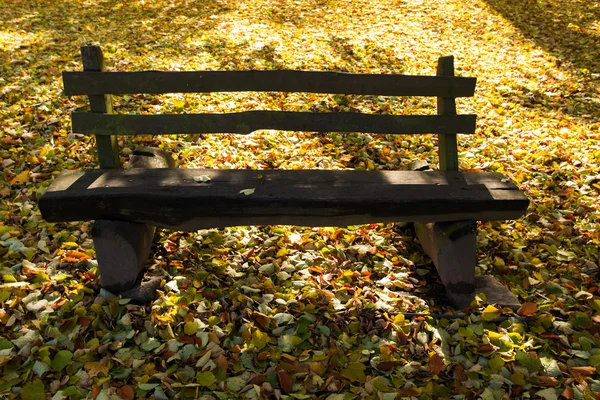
(171, 198)
(249, 121)
(87, 83)
(107, 146)
(446, 105)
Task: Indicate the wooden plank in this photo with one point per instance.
(446, 105)
(86, 83)
(172, 198)
(107, 146)
(249, 121)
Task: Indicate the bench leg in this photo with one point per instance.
(122, 249)
(451, 246)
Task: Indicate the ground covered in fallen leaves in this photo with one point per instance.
(289, 312)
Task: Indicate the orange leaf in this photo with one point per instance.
(527, 309)
(401, 336)
(263, 356)
(316, 269)
(95, 392)
(126, 393)
(284, 381)
(585, 371)
(436, 364)
(75, 256)
(568, 393)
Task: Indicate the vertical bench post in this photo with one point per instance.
(121, 247)
(107, 146)
(447, 144)
(451, 245)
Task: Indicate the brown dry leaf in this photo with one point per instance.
(580, 372)
(284, 381)
(460, 371)
(547, 381)
(436, 364)
(409, 392)
(126, 393)
(385, 366)
(221, 362)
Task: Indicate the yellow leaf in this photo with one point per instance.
(490, 313)
(399, 319)
(21, 178)
(281, 253)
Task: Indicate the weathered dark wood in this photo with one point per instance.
(173, 199)
(446, 105)
(122, 247)
(452, 248)
(107, 146)
(84, 83)
(249, 121)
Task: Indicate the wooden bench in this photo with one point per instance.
(128, 203)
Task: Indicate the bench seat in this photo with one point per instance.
(178, 199)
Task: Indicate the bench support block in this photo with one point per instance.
(451, 246)
(122, 247)
(495, 292)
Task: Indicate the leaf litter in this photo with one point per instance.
(331, 313)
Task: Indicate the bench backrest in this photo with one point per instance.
(98, 84)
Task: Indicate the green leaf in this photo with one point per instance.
(235, 384)
(40, 368)
(528, 361)
(150, 344)
(594, 361)
(259, 339)
(33, 391)
(283, 318)
(206, 378)
(5, 344)
(496, 362)
(61, 360)
(355, 372)
(190, 328)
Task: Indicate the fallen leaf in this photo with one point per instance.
(285, 381)
(436, 364)
(126, 392)
(527, 309)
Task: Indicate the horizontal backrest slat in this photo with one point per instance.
(249, 121)
(155, 82)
